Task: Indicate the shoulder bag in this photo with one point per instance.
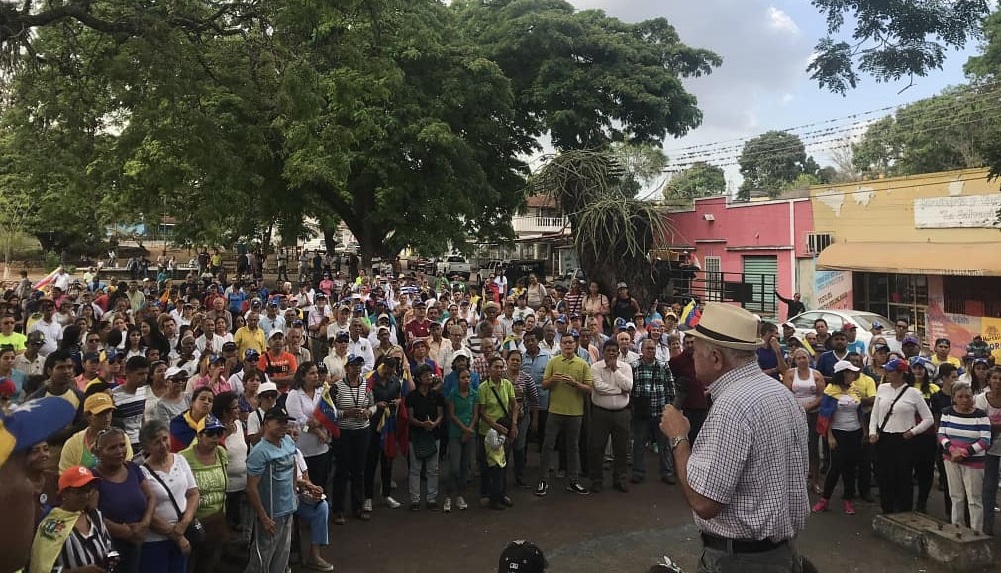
(889, 412)
(195, 533)
(506, 419)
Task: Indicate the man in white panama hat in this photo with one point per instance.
(745, 475)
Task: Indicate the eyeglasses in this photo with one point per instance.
(216, 433)
(35, 343)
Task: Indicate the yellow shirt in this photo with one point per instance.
(77, 453)
(950, 359)
(566, 400)
(245, 339)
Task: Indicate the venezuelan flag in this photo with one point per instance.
(326, 414)
(828, 405)
(690, 315)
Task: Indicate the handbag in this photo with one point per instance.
(506, 419)
(425, 445)
(195, 533)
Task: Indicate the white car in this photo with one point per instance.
(837, 318)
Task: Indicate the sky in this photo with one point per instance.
(766, 46)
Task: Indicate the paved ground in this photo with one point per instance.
(611, 531)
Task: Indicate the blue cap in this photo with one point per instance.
(251, 354)
(33, 422)
(877, 324)
(928, 365)
(896, 365)
(353, 358)
(621, 322)
(212, 423)
(561, 319)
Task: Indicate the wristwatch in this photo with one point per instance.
(677, 440)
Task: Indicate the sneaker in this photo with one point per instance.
(461, 503)
(849, 507)
(366, 505)
(447, 508)
(578, 489)
(415, 506)
(507, 501)
(390, 502)
(820, 506)
(542, 489)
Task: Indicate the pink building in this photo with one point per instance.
(762, 243)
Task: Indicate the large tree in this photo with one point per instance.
(775, 161)
(587, 79)
(890, 39)
(948, 131)
(700, 180)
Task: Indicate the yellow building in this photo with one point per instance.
(926, 248)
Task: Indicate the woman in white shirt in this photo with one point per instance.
(891, 427)
(807, 385)
(844, 435)
(226, 408)
(313, 437)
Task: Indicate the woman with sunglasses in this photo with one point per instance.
(209, 461)
(73, 537)
(176, 494)
(124, 498)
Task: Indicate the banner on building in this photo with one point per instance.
(833, 289)
(961, 328)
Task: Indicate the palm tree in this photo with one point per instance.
(612, 231)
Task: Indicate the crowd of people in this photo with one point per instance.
(214, 417)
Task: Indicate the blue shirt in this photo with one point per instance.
(275, 465)
(826, 362)
(537, 368)
(767, 360)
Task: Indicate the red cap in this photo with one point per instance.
(75, 476)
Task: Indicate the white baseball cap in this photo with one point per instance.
(842, 365)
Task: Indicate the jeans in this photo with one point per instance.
(376, 457)
(642, 431)
(925, 451)
(894, 456)
(498, 483)
(430, 469)
(605, 423)
(990, 494)
(568, 426)
(269, 553)
(162, 557)
(844, 462)
(352, 448)
(241, 517)
(521, 447)
(782, 559)
(966, 487)
(315, 514)
(460, 455)
(129, 556)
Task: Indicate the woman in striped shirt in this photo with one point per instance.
(965, 434)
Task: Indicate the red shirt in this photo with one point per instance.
(417, 329)
(683, 366)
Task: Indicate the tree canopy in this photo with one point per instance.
(406, 119)
(700, 180)
(890, 39)
(775, 161)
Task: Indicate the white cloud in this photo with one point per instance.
(782, 21)
(787, 97)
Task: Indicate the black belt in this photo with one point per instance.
(740, 545)
(609, 409)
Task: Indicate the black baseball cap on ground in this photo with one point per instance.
(522, 557)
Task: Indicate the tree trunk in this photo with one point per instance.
(330, 240)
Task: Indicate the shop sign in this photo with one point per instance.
(833, 289)
(963, 211)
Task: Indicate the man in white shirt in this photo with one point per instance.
(48, 326)
(522, 311)
(610, 416)
(271, 320)
(624, 342)
(360, 346)
(448, 350)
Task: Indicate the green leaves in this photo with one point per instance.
(772, 162)
(700, 180)
(892, 39)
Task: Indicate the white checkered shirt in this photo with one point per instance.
(751, 456)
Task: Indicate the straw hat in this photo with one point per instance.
(728, 326)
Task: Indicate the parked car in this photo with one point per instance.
(837, 319)
(457, 265)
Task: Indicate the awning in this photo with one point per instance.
(961, 259)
